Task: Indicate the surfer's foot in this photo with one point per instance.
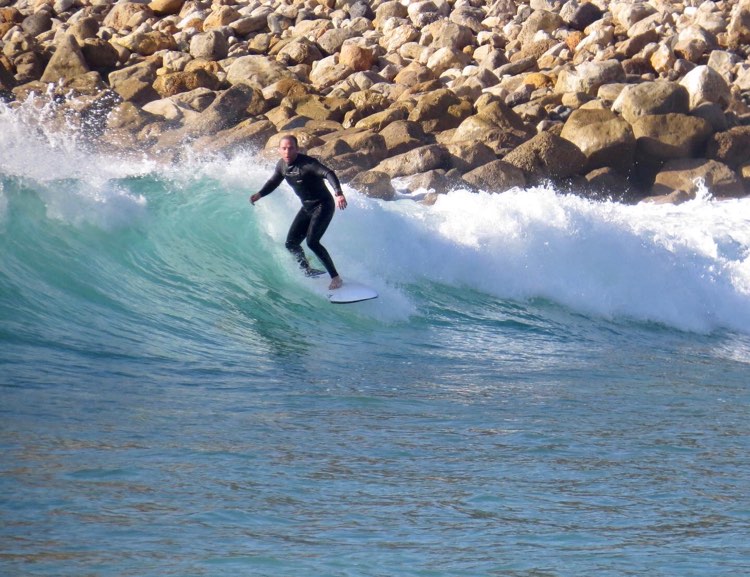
(336, 282)
(313, 272)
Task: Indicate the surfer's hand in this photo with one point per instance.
(254, 198)
(341, 201)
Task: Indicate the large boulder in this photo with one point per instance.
(257, 71)
(704, 84)
(211, 45)
(123, 13)
(603, 137)
(465, 156)
(328, 72)
(666, 136)
(660, 97)
(445, 33)
(367, 142)
(547, 156)
(229, 108)
(688, 173)
(135, 83)
(166, 7)
(440, 110)
(417, 160)
(170, 84)
(495, 124)
(739, 25)
(732, 147)
(381, 120)
(148, 42)
(249, 134)
(496, 176)
(99, 54)
(68, 61)
(589, 76)
(374, 184)
(402, 136)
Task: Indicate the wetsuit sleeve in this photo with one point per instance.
(273, 182)
(330, 176)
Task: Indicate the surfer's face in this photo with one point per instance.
(288, 150)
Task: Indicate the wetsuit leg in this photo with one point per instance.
(295, 236)
(321, 218)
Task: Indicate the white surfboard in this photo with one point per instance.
(351, 292)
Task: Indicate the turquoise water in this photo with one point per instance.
(546, 386)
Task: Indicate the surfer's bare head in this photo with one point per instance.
(288, 148)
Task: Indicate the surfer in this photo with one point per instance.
(306, 175)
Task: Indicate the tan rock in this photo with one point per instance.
(129, 117)
(731, 147)
(692, 44)
(649, 22)
(658, 97)
(367, 142)
(68, 61)
(496, 125)
(667, 136)
(122, 13)
(445, 33)
(221, 16)
(437, 105)
(257, 71)
(356, 57)
(331, 41)
(368, 102)
(374, 184)
(589, 76)
(739, 25)
(135, 83)
(547, 156)
(250, 134)
(414, 161)
(147, 43)
(465, 156)
(387, 10)
(177, 82)
(210, 45)
(413, 74)
(322, 108)
(402, 136)
(197, 100)
(603, 137)
(704, 84)
(540, 21)
(100, 53)
(166, 7)
(674, 197)
(228, 109)
(380, 120)
(663, 59)
(496, 176)
(687, 174)
(328, 72)
(396, 38)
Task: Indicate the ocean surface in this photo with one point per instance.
(546, 387)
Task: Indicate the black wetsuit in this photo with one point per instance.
(306, 175)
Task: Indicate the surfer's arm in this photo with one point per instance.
(333, 180)
(271, 185)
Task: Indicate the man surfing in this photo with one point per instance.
(306, 176)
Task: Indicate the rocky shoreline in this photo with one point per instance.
(634, 101)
